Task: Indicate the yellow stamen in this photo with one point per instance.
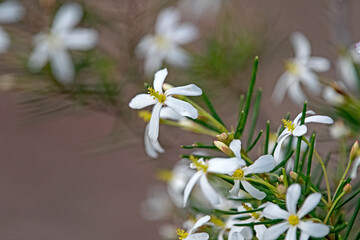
(199, 165)
(239, 173)
(156, 95)
(289, 125)
(254, 214)
(145, 115)
(162, 41)
(164, 175)
(293, 220)
(182, 234)
(292, 67)
(218, 222)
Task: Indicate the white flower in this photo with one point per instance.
(236, 232)
(164, 44)
(159, 99)
(10, 12)
(190, 235)
(339, 130)
(332, 96)
(201, 8)
(263, 164)
(293, 218)
(214, 165)
(355, 166)
(300, 70)
(346, 70)
(154, 148)
(53, 46)
(293, 128)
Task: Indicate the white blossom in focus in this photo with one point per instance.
(293, 218)
(10, 12)
(159, 99)
(294, 128)
(165, 44)
(300, 69)
(53, 46)
(190, 235)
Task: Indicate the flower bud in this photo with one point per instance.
(281, 178)
(354, 151)
(347, 188)
(224, 148)
(281, 189)
(293, 175)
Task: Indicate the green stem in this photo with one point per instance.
(333, 207)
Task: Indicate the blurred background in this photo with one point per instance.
(73, 164)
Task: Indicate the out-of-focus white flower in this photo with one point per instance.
(159, 99)
(293, 218)
(214, 165)
(346, 71)
(200, 8)
(164, 45)
(53, 46)
(295, 129)
(355, 167)
(190, 235)
(235, 232)
(332, 96)
(10, 12)
(300, 69)
(339, 130)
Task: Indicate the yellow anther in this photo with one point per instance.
(182, 234)
(162, 41)
(218, 222)
(292, 67)
(156, 95)
(199, 165)
(289, 125)
(293, 220)
(239, 173)
(164, 175)
(247, 208)
(145, 115)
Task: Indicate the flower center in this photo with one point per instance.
(156, 95)
(145, 115)
(289, 125)
(239, 173)
(293, 220)
(218, 222)
(254, 214)
(162, 41)
(182, 234)
(54, 41)
(199, 165)
(292, 67)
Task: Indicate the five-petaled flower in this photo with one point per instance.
(164, 44)
(300, 70)
(294, 219)
(190, 235)
(159, 99)
(294, 128)
(53, 45)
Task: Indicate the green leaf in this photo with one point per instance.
(254, 117)
(256, 140)
(308, 169)
(298, 146)
(211, 108)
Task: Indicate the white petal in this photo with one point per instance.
(291, 233)
(355, 166)
(260, 230)
(199, 223)
(198, 236)
(81, 39)
(277, 152)
(301, 45)
(159, 79)
(319, 64)
(309, 204)
(298, 117)
(11, 11)
(275, 231)
(296, 93)
(144, 45)
(317, 230)
(167, 20)
(185, 33)
(188, 90)
(263, 164)
(319, 119)
(254, 192)
(181, 107)
(168, 113)
(273, 211)
(152, 63)
(235, 234)
(178, 57)
(38, 58)
(151, 148)
(281, 87)
(67, 17)
(224, 165)
(154, 122)
(62, 66)
(235, 147)
(311, 81)
(292, 197)
(4, 40)
(190, 185)
(304, 236)
(142, 100)
(347, 72)
(235, 189)
(300, 131)
(209, 191)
